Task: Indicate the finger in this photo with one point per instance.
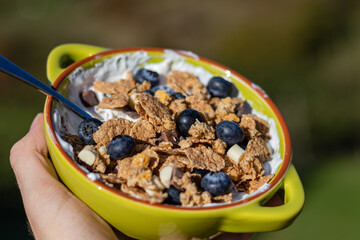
(34, 140)
(26, 153)
(34, 135)
(53, 212)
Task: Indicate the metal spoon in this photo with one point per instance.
(13, 70)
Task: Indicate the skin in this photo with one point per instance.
(53, 211)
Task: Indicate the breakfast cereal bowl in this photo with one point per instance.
(144, 220)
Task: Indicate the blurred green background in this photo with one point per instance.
(304, 53)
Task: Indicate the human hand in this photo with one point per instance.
(52, 210)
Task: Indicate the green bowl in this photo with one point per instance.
(142, 220)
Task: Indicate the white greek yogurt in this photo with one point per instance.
(115, 68)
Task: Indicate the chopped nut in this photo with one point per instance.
(88, 155)
(235, 153)
(166, 175)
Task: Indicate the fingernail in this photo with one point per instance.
(34, 121)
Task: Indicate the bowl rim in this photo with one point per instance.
(272, 185)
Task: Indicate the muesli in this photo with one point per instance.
(177, 141)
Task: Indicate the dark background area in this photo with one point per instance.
(304, 54)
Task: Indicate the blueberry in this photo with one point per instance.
(216, 183)
(186, 118)
(178, 95)
(121, 146)
(149, 92)
(87, 128)
(147, 75)
(219, 87)
(229, 132)
(163, 87)
(173, 196)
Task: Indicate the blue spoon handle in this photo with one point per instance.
(11, 69)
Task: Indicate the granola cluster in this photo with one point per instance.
(163, 160)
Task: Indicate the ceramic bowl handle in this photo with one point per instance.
(257, 218)
(64, 55)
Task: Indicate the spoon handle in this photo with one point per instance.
(12, 69)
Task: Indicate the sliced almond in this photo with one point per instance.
(88, 155)
(158, 183)
(235, 153)
(166, 175)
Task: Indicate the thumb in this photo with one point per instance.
(66, 217)
(26, 153)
